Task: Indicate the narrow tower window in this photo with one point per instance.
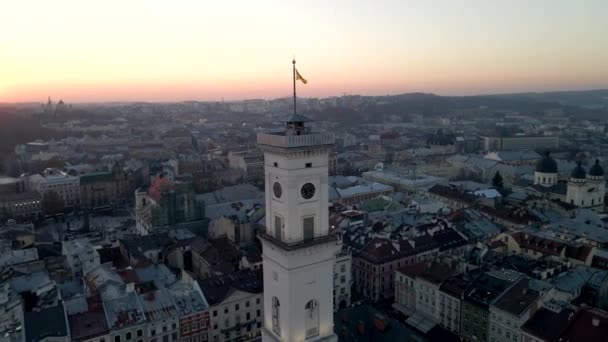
(278, 227)
(308, 224)
(275, 315)
(312, 318)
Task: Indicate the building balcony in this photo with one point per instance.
(281, 140)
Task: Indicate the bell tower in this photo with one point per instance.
(298, 250)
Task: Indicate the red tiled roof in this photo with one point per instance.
(378, 249)
(589, 324)
(128, 275)
(159, 185)
(578, 252)
(513, 214)
(413, 270)
(456, 215)
(497, 244)
(539, 244)
(452, 193)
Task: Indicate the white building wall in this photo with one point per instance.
(67, 187)
(163, 330)
(427, 299)
(242, 309)
(342, 279)
(449, 312)
(545, 179)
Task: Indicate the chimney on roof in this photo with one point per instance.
(361, 328)
(595, 322)
(380, 322)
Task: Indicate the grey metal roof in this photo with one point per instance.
(46, 323)
(238, 209)
(123, 311)
(233, 193)
(187, 300)
(157, 273)
(30, 282)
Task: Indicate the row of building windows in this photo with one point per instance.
(236, 307)
(237, 319)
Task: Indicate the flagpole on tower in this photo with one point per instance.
(293, 62)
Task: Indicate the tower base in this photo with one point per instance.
(267, 336)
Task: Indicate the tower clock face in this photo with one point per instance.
(277, 189)
(308, 190)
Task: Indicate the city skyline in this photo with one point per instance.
(157, 51)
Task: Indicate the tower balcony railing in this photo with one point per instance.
(279, 139)
(299, 244)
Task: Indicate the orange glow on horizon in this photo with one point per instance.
(156, 50)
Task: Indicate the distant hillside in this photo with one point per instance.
(586, 98)
(579, 104)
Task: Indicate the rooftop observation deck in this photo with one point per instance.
(280, 140)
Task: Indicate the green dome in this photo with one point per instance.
(546, 164)
(578, 172)
(596, 170)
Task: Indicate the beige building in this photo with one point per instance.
(342, 279)
(104, 189)
(236, 306)
(521, 143)
(511, 310)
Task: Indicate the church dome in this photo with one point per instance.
(578, 172)
(546, 164)
(596, 170)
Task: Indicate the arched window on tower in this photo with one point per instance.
(276, 308)
(312, 318)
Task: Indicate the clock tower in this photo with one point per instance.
(298, 251)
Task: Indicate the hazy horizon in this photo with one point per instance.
(56, 99)
(158, 51)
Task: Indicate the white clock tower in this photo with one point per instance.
(298, 251)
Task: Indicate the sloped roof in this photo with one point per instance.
(46, 323)
(547, 324)
(518, 298)
(95, 177)
(158, 305)
(582, 326)
(216, 289)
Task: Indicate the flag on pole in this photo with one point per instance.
(300, 78)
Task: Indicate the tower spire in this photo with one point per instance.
(293, 62)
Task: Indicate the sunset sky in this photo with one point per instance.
(160, 50)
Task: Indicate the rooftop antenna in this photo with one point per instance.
(293, 62)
